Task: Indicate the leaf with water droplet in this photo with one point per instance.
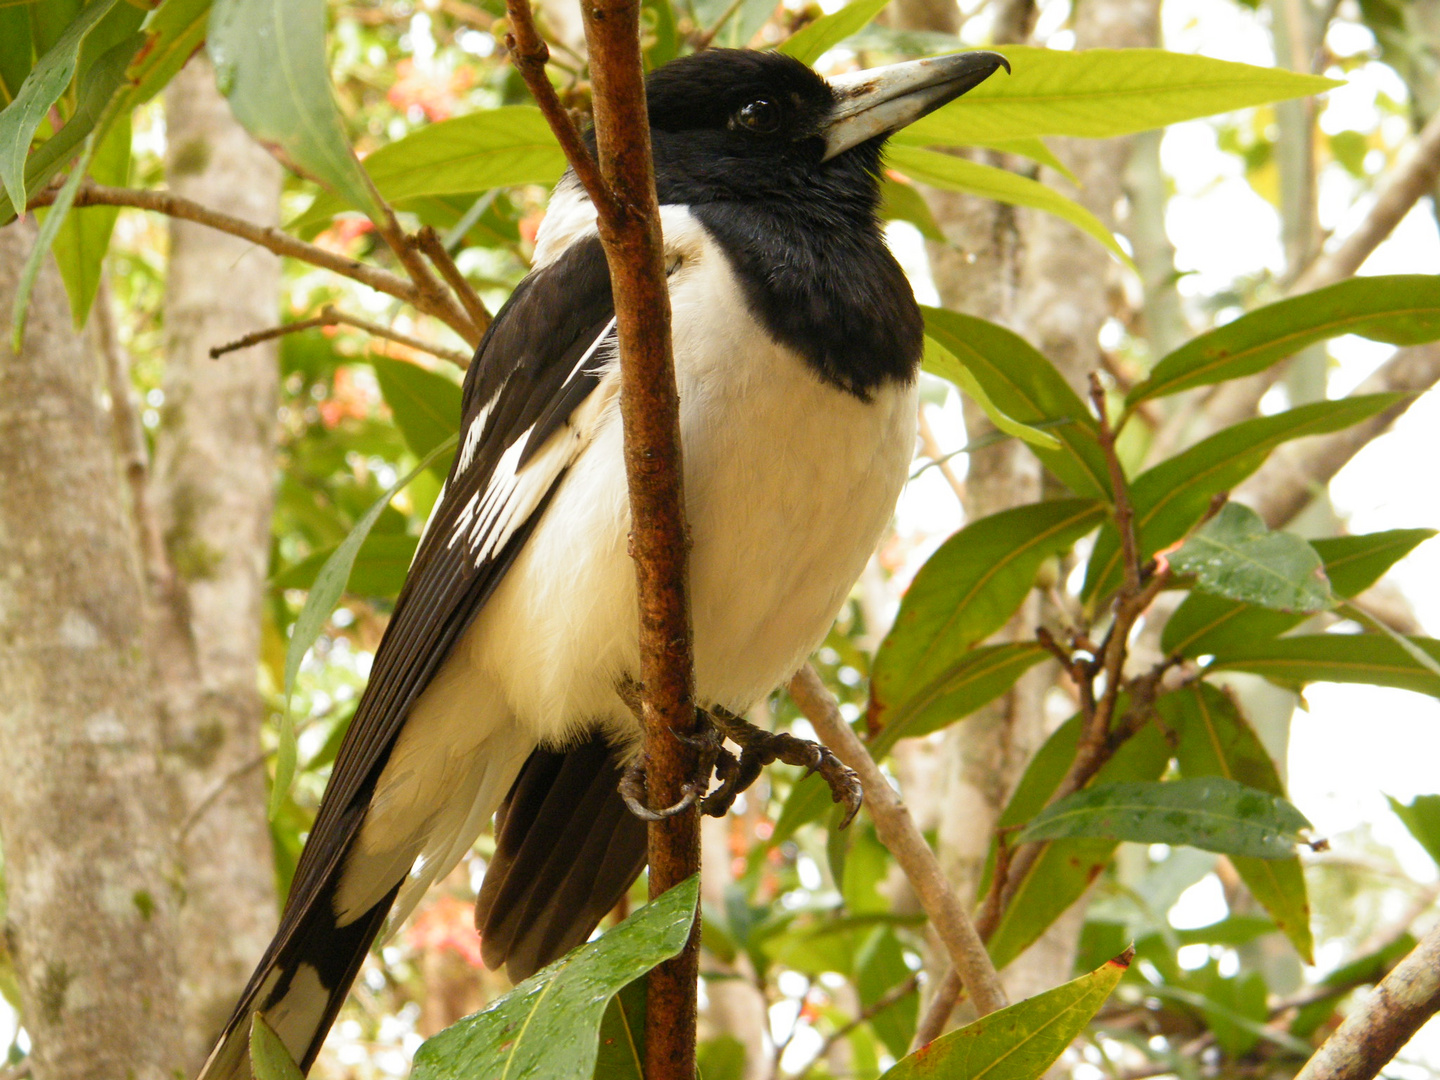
(1234, 555)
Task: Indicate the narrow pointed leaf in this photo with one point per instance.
(901, 201)
(1100, 93)
(269, 1060)
(1204, 623)
(810, 42)
(324, 595)
(1345, 658)
(1401, 309)
(966, 591)
(487, 149)
(547, 1027)
(1215, 740)
(49, 229)
(1234, 555)
(84, 237)
(1019, 1042)
(1064, 868)
(956, 174)
(1026, 386)
(1210, 813)
(1171, 497)
(379, 568)
(938, 360)
(1422, 817)
(40, 90)
(270, 63)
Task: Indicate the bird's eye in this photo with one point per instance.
(761, 116)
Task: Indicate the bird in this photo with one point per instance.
(502, 686)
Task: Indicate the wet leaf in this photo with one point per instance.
(547, 1027)
(1234, 555)
(1211, 813)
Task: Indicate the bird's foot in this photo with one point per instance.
(713, 758)
(759, 748)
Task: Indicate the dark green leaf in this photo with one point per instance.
(1099, 93)
(880, 967)
(621, 1053)
(270, 63)
(324, 595)
(1401, 309)
(965, 592)
(1422, 818)
(426, 406)
(41, 89)
(1065, 868)
(1171, 497)
(379, 568)
(1234, 1007)
(720, 1058)
(957, 686)
(809, 43)
(84, 236)
(957, 174)
(1026, 386)
(1216, 740)
(269, 1060)
(17, 52)
(1347, 658)
(487, 149)
(1019, 1042)
(546, 1028)
(1203, 623)
(49, 229)
(1234, 555)
(1211, 813)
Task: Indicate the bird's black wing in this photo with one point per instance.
(541, 358)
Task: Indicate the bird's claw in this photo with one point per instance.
(706, 742)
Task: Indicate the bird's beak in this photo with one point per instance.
(883, 100)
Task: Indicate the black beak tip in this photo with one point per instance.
(996, 61)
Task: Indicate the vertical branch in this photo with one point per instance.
(629, 226)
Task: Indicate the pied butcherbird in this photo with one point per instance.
(501, 679)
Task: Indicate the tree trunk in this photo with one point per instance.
(84, 812)
(213, 490)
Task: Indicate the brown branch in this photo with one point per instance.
(433, 295)
(1380, 1025)
(428, 240)
(622, 189)
(931, 446)
(898, 832)
(330, 317)
(268, 237)
(530, 54)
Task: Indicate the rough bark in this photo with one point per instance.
(83, 810)
(213, 493)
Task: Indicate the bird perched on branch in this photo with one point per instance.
(506, 677)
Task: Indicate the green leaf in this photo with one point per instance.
(1234, 555)
(1032, 148)
(812, 41)
(966, 591)
(1215, 740)
(1204, 623)
(426, 406)
(1099, 93)
(1064, 868)
(379, 569)
(900, 201)
(940, 361)
(1400, 309)
(269, 1060)
(84, 236)
(270, 63)
(1024, 385)
(488, 149)
(955, 688)
(1019, 1042)
(1345, 658)
(1369, 968)
(546, 1028)
(41, 89)
(956, 174)
(17, 52)
(324, 595)
(880, 967)
(1211, 813)
(1422, 818)
(1171, 497)
(720, 1058)
(621, 1053)
(49, 229)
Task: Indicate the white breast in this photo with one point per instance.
(789, 484)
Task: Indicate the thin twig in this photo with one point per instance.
(434, 296)
(931, 446)
(879, 1005)
(898, 832)
(530, 54)
(268, 237)
(702, 40)
(428, 240)
(330, 317)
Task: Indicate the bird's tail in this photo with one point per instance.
(300, 985)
